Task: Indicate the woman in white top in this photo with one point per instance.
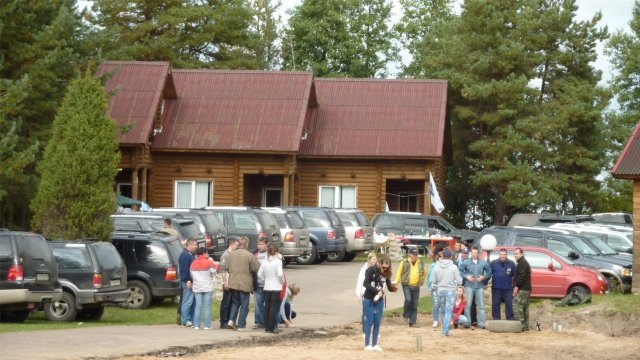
(272, 274)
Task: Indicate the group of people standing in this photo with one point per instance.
(457, 281)
(242, 273)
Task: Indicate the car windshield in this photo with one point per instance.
(596, 242)
(451, 227)
(348, 219)
(582, 246)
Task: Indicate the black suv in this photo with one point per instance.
(413, 223)
(572, 246)
(28, 274)
(92, 275)
(254, 223)
(326, 232)
(186, 228)
(215, 233)
(152, 265)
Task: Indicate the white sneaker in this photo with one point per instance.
(231, 325)
(207, 328)
(196, 328)
(368, 348)
(435, 324)
(377, 348)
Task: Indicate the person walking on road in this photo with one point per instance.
(187, 306)
(360, 289)
(446, 277)
(522, 289)
(272, 276)
(411, 274)
(502, 273)
(225, 304)
(475, 272)
(437, 256)
(203, 271)
(373, 300)
(241, 264)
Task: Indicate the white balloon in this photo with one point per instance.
(488, 242)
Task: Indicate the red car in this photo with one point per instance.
(553, 276)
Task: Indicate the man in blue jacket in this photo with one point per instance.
(184, 265)
(475, 273)
(502, 270)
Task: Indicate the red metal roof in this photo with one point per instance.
(139, 87)
(628, 165)
(236, 111)
(377, 118)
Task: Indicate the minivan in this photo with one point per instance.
(293, 231)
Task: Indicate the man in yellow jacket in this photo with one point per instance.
(411, 274)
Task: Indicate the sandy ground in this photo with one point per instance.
(591, 333)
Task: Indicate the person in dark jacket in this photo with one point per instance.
(184, 270)
(522, 289)
(373, 301)
(502, 271)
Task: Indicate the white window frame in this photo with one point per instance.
(192, 201)
(337, 200)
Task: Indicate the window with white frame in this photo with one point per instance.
(193, 194)
(337, 196)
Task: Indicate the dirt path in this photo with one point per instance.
(590, 334)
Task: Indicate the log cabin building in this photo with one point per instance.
(628, 167)
(194, 138)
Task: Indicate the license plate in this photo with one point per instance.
(115, 282)
(220, 241)
(42, 277)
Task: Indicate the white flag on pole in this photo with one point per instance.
(435, 197)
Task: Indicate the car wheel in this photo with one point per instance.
(18, 316)
(613, 284)
(94, 314)
(140, 297)
(336, 257)
(579, 290)
(62, 310)
(349, 256)
(308, 259)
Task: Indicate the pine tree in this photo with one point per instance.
(75, 196)
(338, 38)
(265, 26)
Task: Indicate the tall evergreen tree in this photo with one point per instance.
(266, 28)
(75, 195)
(338, 38)
(526, 107)
(41, 48)
(187, 33)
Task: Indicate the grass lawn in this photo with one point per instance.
(163, 313)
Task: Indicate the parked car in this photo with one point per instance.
(28, 274)
(413, 223)
(554, 276)
(326, 232)
(293, 232)
(252, 222)
(92, 274)
(358, 231)
(614, 218)
(215, 233)
(152, 265)
(535, 219)
(621, 241)
(186, 228)
(618, 273)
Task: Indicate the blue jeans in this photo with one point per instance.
(498, 296)
(258, 299)
(239, 308)
(372, 318)
(446, 297)
(435, 300)
(411, 299)
(203, 299)
(478, 295)
(188, 306)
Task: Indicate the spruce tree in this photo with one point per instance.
(75, 196)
